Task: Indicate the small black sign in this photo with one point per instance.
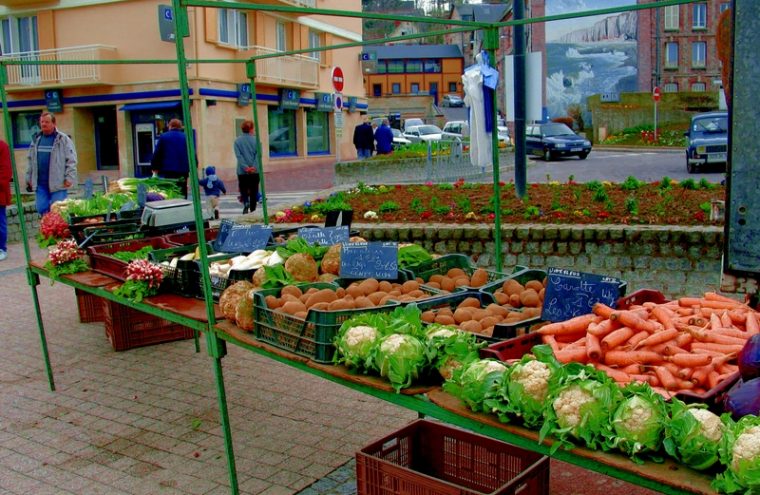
(244, 94)
(142, 194)
(290, 99)
(570, 293)
(87, 188)
(53, 100)
(325, 102)
(246, 238)
(369, 260)
(325, 236)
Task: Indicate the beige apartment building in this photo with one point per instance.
(115, 113)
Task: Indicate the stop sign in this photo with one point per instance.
(337, 79)
(656, 93)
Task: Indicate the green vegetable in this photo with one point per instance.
(301, 245)
(127, 256)
(639, 421)
(476, 382)
(357, 338)
(169, 188)
(276, 276)
(407, 320)
(449, 348)
(401, 359)
(580, 406)
(740, 453)
(412, 254)
(693, 434)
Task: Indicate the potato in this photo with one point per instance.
(447, 284)
(292, 290)
(462, 281)
(409, 286)
(463, 314)
(386, 300)
(384, 286)
(472, 302)
(324, 295)
(514, 300)
(290, 297)
(536, 285)
(497, 310)
(529, 297)
(363, 302)
(320, 306)
(501, 298)
(293, 307)
(479, 313)
(417, 294)
(376, 297)
(339, 305)
(471, 326)
(512, 286)
(489, 321)
(272, 302)
(541, 294)
(301, 315)
(428, 316)
(368, 286)
(434, 285)
(456, 273)
(479, 278)
(444, 319)
(436, 278)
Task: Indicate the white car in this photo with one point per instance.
(408, 123)
(398, 139)
(423, 133)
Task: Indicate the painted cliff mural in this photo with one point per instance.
(588, 55)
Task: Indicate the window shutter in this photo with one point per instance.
(212, 25)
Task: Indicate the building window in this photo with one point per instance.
(452, 87)
(19, 35)
(671, 55)
(25, 126)
(432, 66)
(317, 132)
(670, 88)
(413, 66)
(377, 90)
(315, 41)
(281, 37)
(395, 66)
(282, 132)
(381, 67)
(396, 88)
(671, 18)
(724, 6)
(415, 88)
(698, 50)
(233, 28)
(698, 86)
(699, 21)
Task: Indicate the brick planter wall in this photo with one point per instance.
(31, 217)
(675, 260)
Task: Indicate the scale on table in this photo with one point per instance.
(169, 212)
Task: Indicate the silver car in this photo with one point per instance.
(423, 133)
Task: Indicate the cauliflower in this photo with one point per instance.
(400, 358)
(355, 345)
(568, 406)
(440, 332)
(693, 435)
(746, 448)
(638, 421)
(477, 382)
(740, 453)
(711, 426)
(534, 377)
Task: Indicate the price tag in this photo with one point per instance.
(88, 188)
(142, 194)
(246, 238)
(570, 293)
(369, 260)
(325, 236)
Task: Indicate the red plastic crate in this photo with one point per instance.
(101, 260)
(90, 307)
(127, 328)
(431, 458)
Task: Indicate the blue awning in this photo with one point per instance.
(156, 105)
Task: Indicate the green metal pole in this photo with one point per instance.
(250, 68)
(491, 42)
(31, 278)
(215, 347)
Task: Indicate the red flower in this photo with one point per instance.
(700, 216)
(603, 214)
(398, 186)
(491, 216)
(426, 214)
(502, 183)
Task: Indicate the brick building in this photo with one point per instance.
(677, 47)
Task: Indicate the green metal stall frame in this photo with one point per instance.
(216, 339)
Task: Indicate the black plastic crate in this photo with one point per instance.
(441, 266)
(218, 282)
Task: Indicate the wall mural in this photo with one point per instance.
(588, 55)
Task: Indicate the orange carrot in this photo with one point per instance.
(709, 346)
(666, 378)
(690, 360)
(633, 320)
(624, 358)
(593, 348)
(601, 309)
(714, 296)
(684, 384)
(581, 342)
(616, 337)
(671, 349)
(721, 304)
(665, 393)
(659, 337)
(724, 339)
(617, 375)
(549, 339)
(576, 354)
(573, 325)
(714, 354)
(634, 341)
(632, 369)
(713, 378)
(602, 328)
(725, 319)
(752, 325)
(697, 321)
(715, 321)
(672, 367)
(730, 332)
(685, 373)
(737, 317)
(650, 379)
(699, 377)
(662, 315)
(724, 368)
(689, 301)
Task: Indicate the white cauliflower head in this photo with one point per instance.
(440, 333)
(712, 427)
(637, 414)
(392, 343)
(534, 377)
(356, 336)
(567, 405)
(746, 447)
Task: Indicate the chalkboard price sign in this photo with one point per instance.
(88, 188)
(369, 260)
(246, 238)
(325, 236)
(570, 293)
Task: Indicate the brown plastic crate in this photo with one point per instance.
(90, 307)
(127, 328)
(102, 261)
(431, 458)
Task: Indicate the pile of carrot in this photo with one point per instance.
(687, 345)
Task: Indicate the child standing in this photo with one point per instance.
(214, 188)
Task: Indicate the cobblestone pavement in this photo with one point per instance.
(146, 421)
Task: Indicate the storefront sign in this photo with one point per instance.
(324, 102)
(244, 94)
(290, 99)
(53, 100)
(352, 102)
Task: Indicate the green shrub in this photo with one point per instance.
(632, 205)
(600, 195)
(416, 206)
(389, 206)
(706, 207)
(594, 185)
(631, 183)
(531, 212)
(445, 186)
(688, 184)
(464, 204)
(706, 185)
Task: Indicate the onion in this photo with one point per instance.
(743, 398)
(749, 358)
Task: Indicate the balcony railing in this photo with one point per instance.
(302, 3)
(61, 75)
(291, 70)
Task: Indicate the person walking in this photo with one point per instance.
(214, 187)
(52, 164)
(384, 138)
(6, 175)
(246, 148)
(170, 156)
(364, 140)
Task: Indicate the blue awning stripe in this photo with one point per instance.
(156, 105)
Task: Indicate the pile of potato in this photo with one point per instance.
(456, 277)
(366, 293)
(514, 303)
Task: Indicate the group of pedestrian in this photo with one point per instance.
(368, 140)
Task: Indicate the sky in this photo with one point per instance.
(556, 29)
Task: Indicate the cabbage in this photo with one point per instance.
(406, 319)
(449, 348)
(692, 435)
(639, 421)
(476, 382)
(740, 453)
(580, 406)
(525, 387)
(400, 358)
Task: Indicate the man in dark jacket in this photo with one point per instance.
(384, 138)
(170, 156)
(364, 140)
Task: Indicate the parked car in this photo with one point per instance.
(707, 140)
(452, 101)
(423, 133)
(553, 140)
(398, 139)
(455, 129)
(411, 123)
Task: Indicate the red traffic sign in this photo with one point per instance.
(656, 93)
(337, 79)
